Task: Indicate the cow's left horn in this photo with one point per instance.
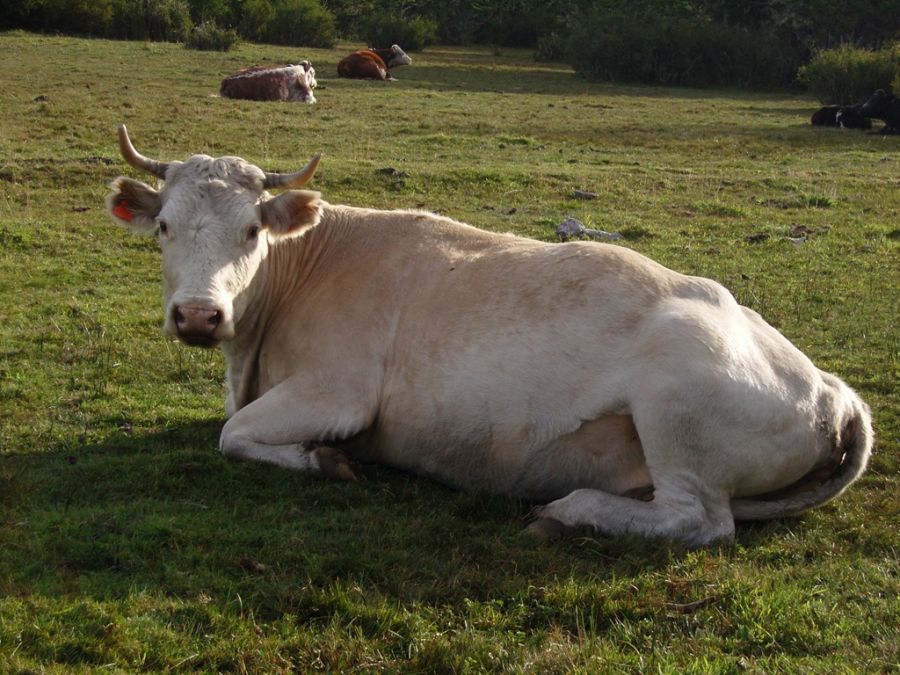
(293, 180)
(136, 159)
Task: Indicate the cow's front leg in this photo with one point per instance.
(291, 429)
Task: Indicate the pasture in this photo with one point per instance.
(128, 544)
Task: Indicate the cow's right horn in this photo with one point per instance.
(136, 159)
(293, 180)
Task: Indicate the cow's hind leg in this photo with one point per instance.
(669, 515)
(687, 504)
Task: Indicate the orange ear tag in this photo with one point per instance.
(121, 211)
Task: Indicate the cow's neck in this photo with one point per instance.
(288, 267)
(241, 355)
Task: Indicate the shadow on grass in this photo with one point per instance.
(541, 78)
(166, 513)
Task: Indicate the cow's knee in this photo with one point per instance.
(236, 445)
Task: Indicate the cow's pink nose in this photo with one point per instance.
(196, 324)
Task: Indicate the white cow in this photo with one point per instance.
(581, 373)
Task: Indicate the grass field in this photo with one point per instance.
(128, 544)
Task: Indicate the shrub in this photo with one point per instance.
(551, 47)
(848, 74)
(210, 37)
(255, 19)
(413, 35)
(289, 22)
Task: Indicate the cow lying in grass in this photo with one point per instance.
(886, 107)
(280, 83)
(843, 116)
(580, 373)
(372, 63)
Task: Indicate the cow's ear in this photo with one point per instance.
(134, 205)
(291, 212)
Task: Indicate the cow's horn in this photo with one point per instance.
(293, 180)
(136, 159)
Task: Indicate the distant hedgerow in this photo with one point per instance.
(849, 74)
(166, 20)
(620, 46)
(413, 35)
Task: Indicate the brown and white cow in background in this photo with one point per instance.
(372, 63)
(279, 83)
(581, 373)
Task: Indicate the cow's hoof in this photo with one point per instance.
(334, 463)
(644, 494)
(545, 530)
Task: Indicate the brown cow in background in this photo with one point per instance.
(373, 64)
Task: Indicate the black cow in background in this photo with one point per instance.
(844, 116)
(886, 107)
(826, 116)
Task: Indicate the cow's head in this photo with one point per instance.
(304, 82)
(397, 57)
(878, 104)
(215, 223)
(310, 74)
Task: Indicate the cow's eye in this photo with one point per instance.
(252, 232)
(163, 227)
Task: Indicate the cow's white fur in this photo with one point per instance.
(571, 372)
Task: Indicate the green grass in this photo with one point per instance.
(127, 543)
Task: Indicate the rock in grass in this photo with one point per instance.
(392, 171)
(575, 229)
(252, 566)
(800, 233)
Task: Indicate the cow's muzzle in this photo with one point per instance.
(197, 326)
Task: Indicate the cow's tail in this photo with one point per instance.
(852, 450)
